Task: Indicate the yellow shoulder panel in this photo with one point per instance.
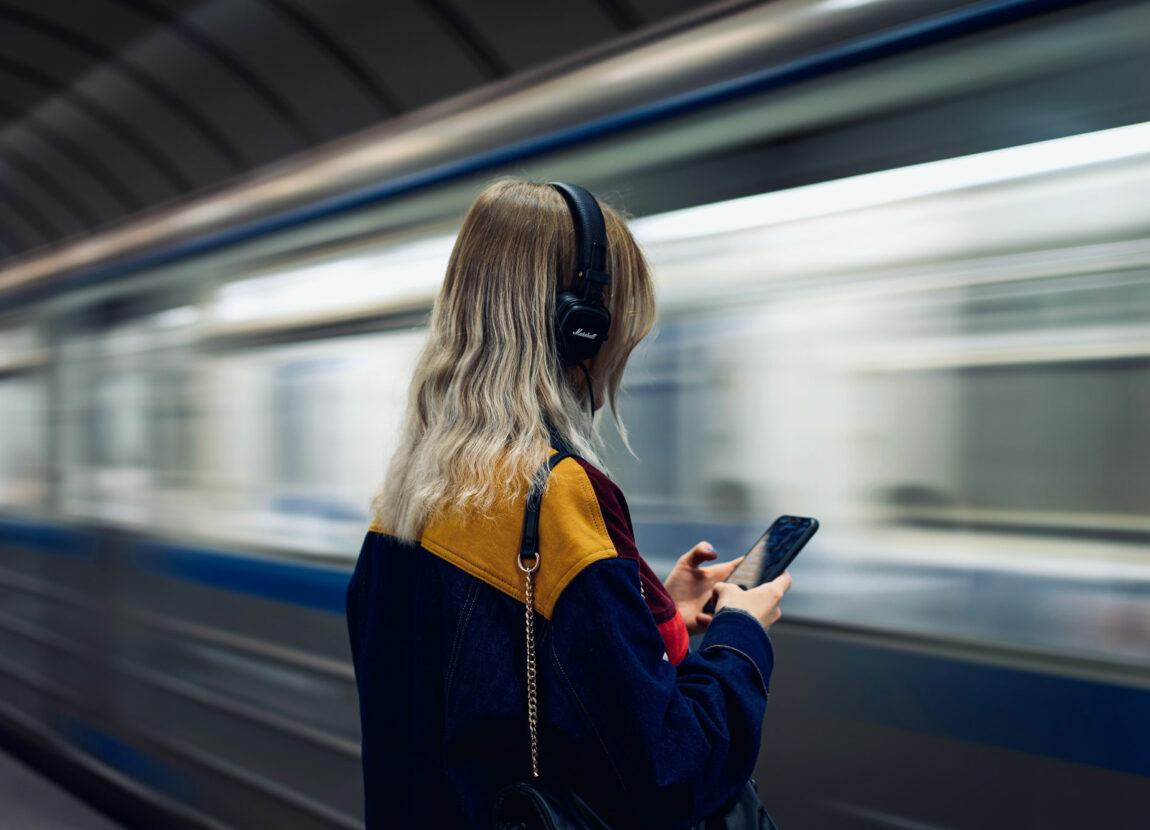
(572, 535)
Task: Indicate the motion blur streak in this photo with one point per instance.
(910, 298)
(894, 185)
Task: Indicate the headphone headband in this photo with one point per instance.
(590, 235)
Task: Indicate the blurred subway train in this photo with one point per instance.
(903, 257)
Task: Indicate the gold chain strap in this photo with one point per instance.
(532, 700)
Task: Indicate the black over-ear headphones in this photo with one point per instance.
(581, 322)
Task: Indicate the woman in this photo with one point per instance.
(647, 733)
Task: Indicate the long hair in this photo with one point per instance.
(489, 382)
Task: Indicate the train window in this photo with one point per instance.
(1034, 420)
(117, 423)
(23, 442)
(294, 438)
(105, 387)
(307, 442)
(24, 415)
(125, 383)
(1043, 448)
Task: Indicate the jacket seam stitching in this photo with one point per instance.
(471, 566)
(592, 498)
(747, 657)
(587, 717)
(460, 629)
(436, 547)
(578, 567)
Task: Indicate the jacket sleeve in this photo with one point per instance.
(651, 744)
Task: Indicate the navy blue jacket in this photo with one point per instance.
(649, 735)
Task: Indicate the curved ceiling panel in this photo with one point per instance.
(16, 232)
(126, 147)
(412, 52)
(128, 80)
(88, 173)
(109, 107)
(25, 174)
(69, 164)
(304, 83)
(528, 34)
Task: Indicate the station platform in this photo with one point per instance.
(32, 802)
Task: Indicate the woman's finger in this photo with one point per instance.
(700, 553)
(703, 620)
(702, 557)
(725, 569)
(783, 582)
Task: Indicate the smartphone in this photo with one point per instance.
(774, 550)
(770, 555)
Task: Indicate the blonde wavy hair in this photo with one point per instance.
(489, 380)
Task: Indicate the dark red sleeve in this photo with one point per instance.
(613, 506)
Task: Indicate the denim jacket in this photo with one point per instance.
(647, 733)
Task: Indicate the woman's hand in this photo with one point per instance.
(691, 585)
(762, 601)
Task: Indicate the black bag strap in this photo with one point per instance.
(529, 564)
(529, 546)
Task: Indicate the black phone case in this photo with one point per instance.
(776, 570)
(768, 574)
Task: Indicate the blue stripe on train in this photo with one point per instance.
(299, 583)
(1072, 719)
(128, 759)
(45, 538)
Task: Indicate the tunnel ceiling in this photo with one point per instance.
(110, 107)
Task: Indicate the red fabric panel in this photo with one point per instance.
(617, 516)
(675, 638)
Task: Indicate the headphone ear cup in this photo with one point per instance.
(580, 327)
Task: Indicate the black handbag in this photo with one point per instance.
(539, 805)
(543, 805)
